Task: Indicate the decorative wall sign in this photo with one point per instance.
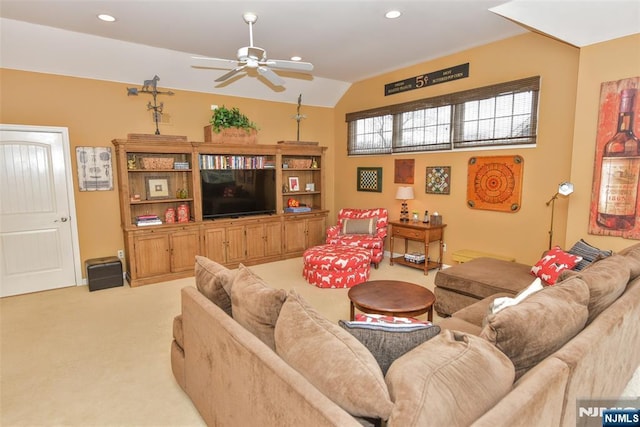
(95, 172)
(495, 183)
(615, 200)
(429, 79)
(370, 179)
(438, 180)
(404, 171)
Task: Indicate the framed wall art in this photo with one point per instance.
(494, 183)
(438, 180)
(615, 199)
(157, 187)
(404, 169)
(369, 179)
(95, 172)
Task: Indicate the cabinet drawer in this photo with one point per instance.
(408, 233)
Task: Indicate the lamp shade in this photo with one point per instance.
(404, 193)
(565, 188)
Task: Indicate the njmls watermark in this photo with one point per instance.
(621, 412)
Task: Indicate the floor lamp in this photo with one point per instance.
(564, 189)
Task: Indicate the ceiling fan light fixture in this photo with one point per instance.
(392, 14)
(296, 58)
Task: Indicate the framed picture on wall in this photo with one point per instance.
(370, 179)
(404, 169)
(438, 180)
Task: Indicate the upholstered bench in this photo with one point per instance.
(464, 284)
(336, 266)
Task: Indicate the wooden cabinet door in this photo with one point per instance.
(316, 231)
(215, 244)
(294, 235)
(273, 238)
(152, 254)
(184, 248)
(255, 241)
(236, 243)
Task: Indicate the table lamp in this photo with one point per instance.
(404, 194)
(564, 189)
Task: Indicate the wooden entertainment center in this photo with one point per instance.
(158, 174)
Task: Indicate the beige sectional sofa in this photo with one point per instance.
(248, 354)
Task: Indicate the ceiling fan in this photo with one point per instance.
(252, 57)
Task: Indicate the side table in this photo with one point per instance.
(417, 231)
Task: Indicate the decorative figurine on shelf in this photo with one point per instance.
(131, 162)
(426, 217)
(314, 163)
(151, 87)
(416, 218)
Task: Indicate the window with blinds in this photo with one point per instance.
(499, 115)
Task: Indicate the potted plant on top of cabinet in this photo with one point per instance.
(230, 125)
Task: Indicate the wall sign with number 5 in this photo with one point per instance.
(428, 79)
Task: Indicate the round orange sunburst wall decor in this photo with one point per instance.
(495, 183)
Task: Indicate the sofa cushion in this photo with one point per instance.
(449, 380)
(607, 279)
(389, 341)
(214, 281)
(632, 253)
(589, 254)
(256, 305)
(549, 267)
(331, 359)
(359, 226)
(539, 325)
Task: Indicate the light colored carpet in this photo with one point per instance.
(70, 357)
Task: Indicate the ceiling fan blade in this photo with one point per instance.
(204, 62)
(273, 78)
(229, 74)
(289, 65)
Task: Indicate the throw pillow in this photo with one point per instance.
(331, 359)
(432, 384)
(607, 279)
(501, 303)
(359, 226)
(539, 325)
(214, 281)
(589, 254)
(549, 267)
(255, 305)
(388, 341)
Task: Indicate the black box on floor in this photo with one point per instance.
(103, 273)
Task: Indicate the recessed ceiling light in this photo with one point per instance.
(392, 14)
(296, 58)
(106, 18)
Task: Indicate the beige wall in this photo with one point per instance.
(96, 112)
(523, 234)
(603, 62)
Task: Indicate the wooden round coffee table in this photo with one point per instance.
(392, 298)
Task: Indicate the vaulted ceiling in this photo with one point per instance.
(346, 40)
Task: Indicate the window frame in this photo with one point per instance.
(456, 101)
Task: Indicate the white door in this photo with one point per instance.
(38, 228)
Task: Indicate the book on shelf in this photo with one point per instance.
(297, 209)
(144, 223)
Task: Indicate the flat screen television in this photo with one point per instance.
(238, 192)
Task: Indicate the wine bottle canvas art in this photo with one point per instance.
(615, 196)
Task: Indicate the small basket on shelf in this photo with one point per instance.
(157, 163)
(299, 163)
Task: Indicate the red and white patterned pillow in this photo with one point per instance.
(549, 267)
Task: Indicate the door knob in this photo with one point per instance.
(63, 219)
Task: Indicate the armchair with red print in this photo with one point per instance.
(365, 228)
